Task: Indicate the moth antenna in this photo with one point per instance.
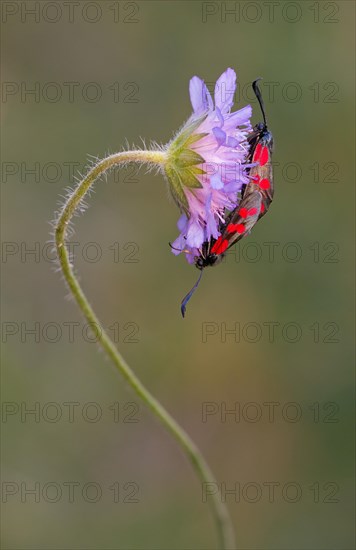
(186, 299)
(258, 94)
(180, 249)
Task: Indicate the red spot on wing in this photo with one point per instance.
(264, 156)
(261, 154)
(262, 208)
(220, 246)
(240, 228)
(243, 212)
(265, 184)
(252, 212)
(257, 153)
(236, 228)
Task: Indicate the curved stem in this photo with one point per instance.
(223, 522)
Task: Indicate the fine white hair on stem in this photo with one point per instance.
(94, 161)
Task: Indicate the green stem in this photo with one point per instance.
(223, 522)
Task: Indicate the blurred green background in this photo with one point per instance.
(140, 57)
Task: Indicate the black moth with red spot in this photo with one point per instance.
(256, 198)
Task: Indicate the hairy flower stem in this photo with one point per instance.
(223, 522)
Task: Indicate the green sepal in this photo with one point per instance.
(195, 137)
(190, 180)
(197, 170)
(186, 134)
(188, 157)
(176, 188)
(182, 167)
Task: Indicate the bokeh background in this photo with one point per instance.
(89, 427)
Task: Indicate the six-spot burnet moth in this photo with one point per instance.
(256, 198)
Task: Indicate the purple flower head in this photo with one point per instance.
(206, 164)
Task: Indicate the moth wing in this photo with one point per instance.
(244, 218)
(240, 223)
